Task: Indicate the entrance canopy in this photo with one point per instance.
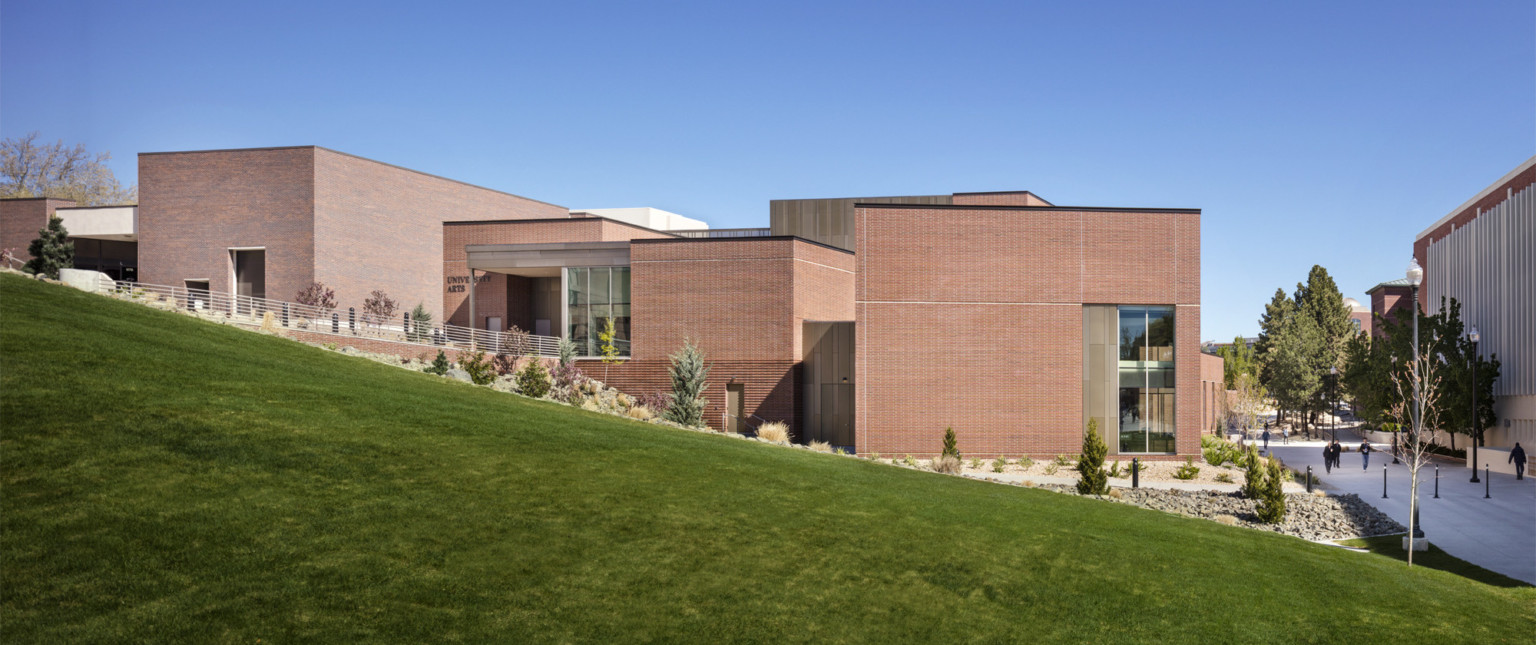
(545, 260)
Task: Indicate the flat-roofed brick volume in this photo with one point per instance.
(353, 223)
(971, 317)
(968, 309)
(22, 218)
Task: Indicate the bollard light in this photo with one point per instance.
(1135, 472)
(1383, 482)
(1309, 479)
(1487, 483)
(1437, 481)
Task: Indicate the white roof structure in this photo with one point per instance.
(652, 218)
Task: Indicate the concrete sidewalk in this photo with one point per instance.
(1498, 534)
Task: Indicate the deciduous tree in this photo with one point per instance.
(31, 169)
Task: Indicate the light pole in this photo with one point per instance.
(1332, 404)
(1415, 276)
(1476, 431)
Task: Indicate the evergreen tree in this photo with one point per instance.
(1275, 314)
(52, 249)
(1253, 474)
(1296, 352)
(950, 447)
(1271, 504)
(439, 365)
(1320, 300)
(1238, 358)
(689, 372)
(1092, 480)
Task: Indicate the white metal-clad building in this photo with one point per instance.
(1483, 254)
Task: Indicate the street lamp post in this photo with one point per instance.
(1333, 415)
(1415, 276)
(1476, 431)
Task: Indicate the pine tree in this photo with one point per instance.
(1271, 504)
(1092, 480)
(52, 249)
(1276, 312)
(950, 447)
(1253, 474)
(689, 372)
(439, 365)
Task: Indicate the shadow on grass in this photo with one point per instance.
(1392, 546)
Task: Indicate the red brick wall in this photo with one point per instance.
(1212, 386)
(972, 319)
(770, 388)
(401, 213)
(21, 219)
(194, 206)
(491, 294)
(1387, 302)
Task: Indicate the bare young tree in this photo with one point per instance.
(1249, 399)
(1420, 379)
(30, 169)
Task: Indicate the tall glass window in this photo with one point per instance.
(594, 294)
(1146, 380)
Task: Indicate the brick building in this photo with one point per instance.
(872, 323)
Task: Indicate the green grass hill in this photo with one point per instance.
(171, 480)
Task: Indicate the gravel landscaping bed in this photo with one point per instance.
(1307, 516)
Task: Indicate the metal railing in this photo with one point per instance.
(723, 232)
(348, 322)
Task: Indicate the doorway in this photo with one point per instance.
(251, 273)
(197, 294)
(735, 402)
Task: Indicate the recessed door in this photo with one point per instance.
(251, 274)
(735, 402)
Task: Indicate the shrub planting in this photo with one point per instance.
(378, 307)
(821, 446)
(640, 413)
(1026, 463)
(909, 461)
(1091, 478)
(439, 365)
(947, 464)
(1065, 460)
(479, 368)
(975, 463)
(999, 464)
(1052, 468)
(775, 431)
(1187, 471)
(504, 364)
(317, 295)
(1114, 470)
(1224, 478)
(533, 380)
(567, 351)
(421, 324)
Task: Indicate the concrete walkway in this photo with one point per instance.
(1498, 534)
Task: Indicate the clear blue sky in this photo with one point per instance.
(1309, 132)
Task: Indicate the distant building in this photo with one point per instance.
(1388, 299)
(1359, 315)
(1211, 346)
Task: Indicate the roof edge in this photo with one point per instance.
(1476, 198)
(1110, 209)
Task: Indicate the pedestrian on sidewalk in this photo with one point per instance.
(1266, 440)
(1338, 454)
(1328, 458)
(1517, 457)
(1285, 436)
(1365, 455)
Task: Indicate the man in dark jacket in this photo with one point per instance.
(1328, 457)
(1365, 455)
(1517, 457)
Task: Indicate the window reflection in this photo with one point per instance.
(593, 294)
(1147, 420)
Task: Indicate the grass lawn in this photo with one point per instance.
(166, 479)
(1434, 558)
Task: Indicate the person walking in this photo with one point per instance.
(1328, 458)
(1338, 454)
(1365, 455)
(1517, 457)
(1266, 440)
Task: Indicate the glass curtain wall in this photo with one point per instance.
(594, 294)
(1146, 380)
